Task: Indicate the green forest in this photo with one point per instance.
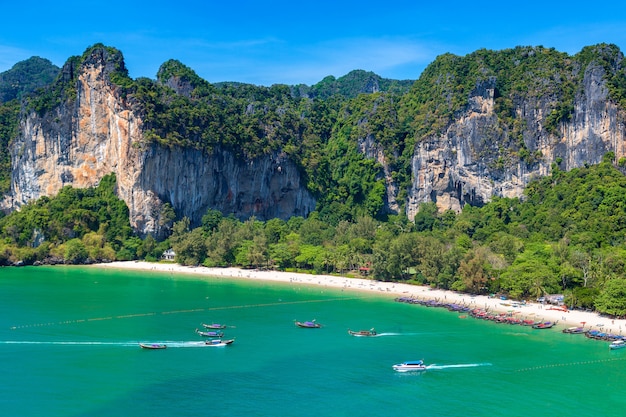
(566, 234)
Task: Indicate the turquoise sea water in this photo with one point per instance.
(69, 344)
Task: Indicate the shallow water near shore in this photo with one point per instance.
(69, 338)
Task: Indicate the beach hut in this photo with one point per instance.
(168, 255)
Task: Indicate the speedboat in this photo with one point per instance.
(409, 366)
(153, 345)
(361, 333)
(617, 344)
(219, 342)
(308, 324)
(210, 334)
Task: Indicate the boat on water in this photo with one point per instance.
(153, 345)
(617, 344)
(219, 342)
(409, 366)
(544, 325)
(574, 330)
(210, 334)
(363, 333)
(308, 324)
(216, 326)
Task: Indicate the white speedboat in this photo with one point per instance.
(617, 344)
(218, 342)
(409, 366)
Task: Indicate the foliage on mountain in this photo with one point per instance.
(612, 61)
(91, 221)
(351, 86)
(518, 75)
(248, 120)
(9, 115)
(25, 77)
(63, 89)
(316, 126)
(356, 187)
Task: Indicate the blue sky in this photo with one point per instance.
(291, 42)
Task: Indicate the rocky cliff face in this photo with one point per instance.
(193, 182)
(476, 157)
(101, 133)
(466, 164)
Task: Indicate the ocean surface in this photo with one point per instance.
(69, 347)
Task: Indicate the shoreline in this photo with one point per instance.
(564, 319)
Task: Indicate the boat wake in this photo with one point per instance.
(134, 344)
(29, 342)
(462, 365)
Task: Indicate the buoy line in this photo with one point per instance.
(194, 310)
(560, 365)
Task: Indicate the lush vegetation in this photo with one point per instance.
(9, 113)
(567, 235)
(26, 77)
(15, 84)
(75, 226)
(325, 127)
(351, 85)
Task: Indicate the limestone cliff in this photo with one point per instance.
(100, 131)
(481, 150)
(467, 165)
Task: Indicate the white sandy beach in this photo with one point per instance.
(529, 310)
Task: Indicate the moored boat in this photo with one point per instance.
(409, 366)
(210, 334)
(153, 345)
(363, 333)
(617, 344)
(308, 324)
(219, 342)
(574, 330)
(544, 325)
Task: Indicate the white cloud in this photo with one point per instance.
(277, 62)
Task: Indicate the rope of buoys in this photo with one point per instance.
(559, 365)
(194, 310)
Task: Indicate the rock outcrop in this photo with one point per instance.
(466, 165)
(100, 132)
